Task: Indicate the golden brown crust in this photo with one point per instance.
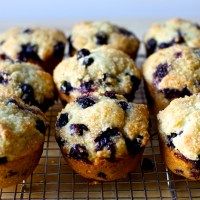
(13, 172)
(111, 170)
(178, 164)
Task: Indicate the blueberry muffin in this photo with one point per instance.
(173, 31)
(102, 138)
(28, 82)
(179, 125)
(102, 70)
(90, 35)
(171, 73)
(43, 46)
(22, 133)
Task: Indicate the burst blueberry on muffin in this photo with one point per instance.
(171, 73)
(103, 70)
(28, 82)
(173, 31)
(22, 133)
(90, 35)
(43, 46)
(179, 125)
(102, 138)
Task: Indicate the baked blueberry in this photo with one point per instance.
(28, 52)
(40, 126)
(82, 53)
(85, 101)
(66, 87)
(161, 71)
(61, 142)
(134, 146)
(123, 104)
(151, 45)
(86, 87)
(27, 93)
(4, 78)
(110, 94)
(78, 129)
(28, 31)
(174, 93)
(62, 120)
(79, 152)
(101, 38)
(88, 61)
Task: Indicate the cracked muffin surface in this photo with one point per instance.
(98, 71)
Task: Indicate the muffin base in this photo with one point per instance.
(103, 170)
(178, 163)
(13, 172)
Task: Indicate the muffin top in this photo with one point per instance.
(99, 127)
(22, 129)
(91, 35)
(97, 71)
(173, 72)
(28, 82)
(171, 32)
(179, 125)
(31, 44)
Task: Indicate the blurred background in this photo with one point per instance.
(63, 13)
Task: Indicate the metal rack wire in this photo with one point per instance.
(54, 179)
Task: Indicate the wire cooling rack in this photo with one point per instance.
(54, 179)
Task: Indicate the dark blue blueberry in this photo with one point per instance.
(85, 101)
(11, 101)
(110, 94)
(104, 140)
(101, 175)
(61, 142)
(79, 152)
(78, 129)
(4, 57)
(66, 87)
(28, 52)
(3, 160)
(82, 53)
(28, 31)
(86, 87)
(164, 45)
(27, 94)
(134, 146)
(4, 78)
(88, 61)
(180, 39)
(174, 93)
(40, 126)
(170, 140)
(123, 104)
(59, 49)
(161, 71)
(151, 45)
(62, 120)
(125, 32)
(178, 54)
(148, 164)
(101, 38)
